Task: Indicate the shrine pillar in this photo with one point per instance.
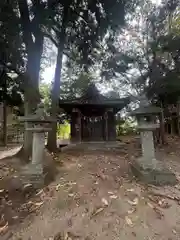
(106, 126)
(111, 125)
(76, 125)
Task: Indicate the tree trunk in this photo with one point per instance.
(31, 94)
(5, 112)
(52, 143)
(162, 125)
(34, 53)
(4, 123)
(171, 126)
(178, 114)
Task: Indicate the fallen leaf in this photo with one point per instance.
(110, 192)
(69, 222)
(163, 204)
(58, 186)
(66, 236)
(58, 236)
(71, 194)
(104, 201)
(113, 196)
(128, 221)
(153, 199)
(9, 203)
(134, 202)
(102, 176)
(72, 236)
(130, 190)
(4, 228)
(40, 192)
(174, 231)
(166, 196)
(97, 211)
(131, 211)
(159, 214)
(27, 186)
(38, 204)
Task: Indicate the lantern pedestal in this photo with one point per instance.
(153, 173)
(34, 173)
(147, 168)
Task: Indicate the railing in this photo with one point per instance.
(15, 133)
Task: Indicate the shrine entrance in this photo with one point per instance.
(93, 116)
(92, 128)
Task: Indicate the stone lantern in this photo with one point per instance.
(147, 167)
(38, 124)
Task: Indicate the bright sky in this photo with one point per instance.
(48, 73)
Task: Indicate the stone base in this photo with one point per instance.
(96, 146)
(33, 174)
(155, 173)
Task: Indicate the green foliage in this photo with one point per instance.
(45, 95)
(146, 56)
(10, 89)
(176, 24)
(63, 130)
(164, 82)
(126, 127)
(84, 24)
(11, 50)
(74, 82)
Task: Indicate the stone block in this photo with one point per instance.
(39, 175)
(154, 172)
(33, 174)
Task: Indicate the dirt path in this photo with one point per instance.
(94, 197)
(9, 151)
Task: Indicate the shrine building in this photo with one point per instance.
(93, 115)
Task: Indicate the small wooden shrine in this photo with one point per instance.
(93, 115)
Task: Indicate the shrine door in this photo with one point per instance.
(92, 129)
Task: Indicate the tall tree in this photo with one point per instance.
(82, 24)
(31, 20)
(11, 50)
(11, 62)
(145, 52)
(21, 23)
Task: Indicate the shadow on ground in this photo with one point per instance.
(95, 196)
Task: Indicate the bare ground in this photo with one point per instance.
(96, 197)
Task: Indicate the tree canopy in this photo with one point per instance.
(145, 56)
(128, 45)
